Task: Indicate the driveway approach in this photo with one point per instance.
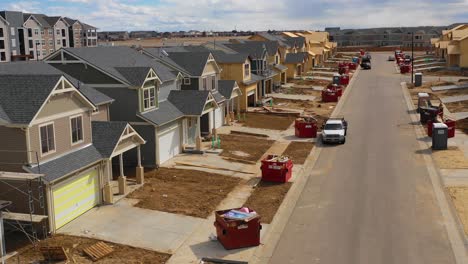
(371, 200)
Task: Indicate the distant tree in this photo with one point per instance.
(166, 34)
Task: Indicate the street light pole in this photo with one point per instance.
(412, 57)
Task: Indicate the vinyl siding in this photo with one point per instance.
(464, 53)
(102, 115)
(13, 149)
(62, 131)
(87, 75)
(6, 41)
(125, 106)
(148, 150)
(165, 89)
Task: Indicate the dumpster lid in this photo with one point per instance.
(439, 125)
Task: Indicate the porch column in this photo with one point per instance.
(213, 131)
(140, 173)
(122, 178)
(227, 113)
(198, 137)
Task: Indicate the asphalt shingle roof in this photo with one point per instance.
(223, 57)
(165, 113)
(193, 62)
(72, 162)
(22, 96)
(189, 102)
(225, 87)
(111, 58)
(41, 68)
(106, 135)
(256, 49)
(219, 98)
(294, 58)
(135, 75)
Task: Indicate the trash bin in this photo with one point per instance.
(344, 80)
(451, 127)
(329, 96)
(305, 127)
(336, 78)
(355, 60)
(439, 136)
(276, 168)
(418, 79)
(428, 113)
(405, 68)
(343, 70)
(235, 228)
(423, 100)
(352, 66)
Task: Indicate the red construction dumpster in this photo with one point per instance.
(238, 228)
(305, 127)
(276, 168)
(336, 88)
(343, 70)
(352, 66)
(329, 96)
(405, 68)
(362, 52)
(344, 79)
(451, 127)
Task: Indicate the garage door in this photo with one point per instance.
(218, 117)
(169, 144)
(75, 197)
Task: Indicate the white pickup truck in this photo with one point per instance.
(334, 131)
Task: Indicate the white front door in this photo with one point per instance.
(219, 117)
(169, 144)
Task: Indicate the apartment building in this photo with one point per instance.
(35, 36)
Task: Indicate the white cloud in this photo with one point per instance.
(25, 6)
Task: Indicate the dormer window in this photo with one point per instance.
(149, 98)
(246, 70)
(186, 81)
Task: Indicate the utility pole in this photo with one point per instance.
(412, 57)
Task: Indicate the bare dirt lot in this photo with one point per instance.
(298, 151)
(318, 110)
(457, 107)
(306, 91)
(74, 248)
(158, 42)
(452, 158)
(446, 73)
(459, 197)
(310, 82)
(268, 121)
(267, 198)
(255, 147)
(188, 192)
(463, 125)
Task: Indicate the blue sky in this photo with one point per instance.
(170, 15)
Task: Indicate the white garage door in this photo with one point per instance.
(169, 144)
(218, 117)
(74, 197)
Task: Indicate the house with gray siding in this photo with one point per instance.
(4, 40)
(51, 126)
(145, 92)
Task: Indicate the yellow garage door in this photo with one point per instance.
(75, 197)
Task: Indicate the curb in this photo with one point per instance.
(265, 251)
(452, 223)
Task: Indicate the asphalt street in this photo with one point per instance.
(371, 200)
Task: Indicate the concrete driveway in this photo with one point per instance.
(124, 224)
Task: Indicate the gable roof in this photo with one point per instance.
(294, 58)
(135, 75)
(223, 57)
(192, 62)
(255, 49)
(225, 87)
(42, 68)
(14, 18)
(22, 96)
(106, 135)
(41, 18)
(109, 59)
(189, 102)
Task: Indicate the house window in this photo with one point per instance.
(2, 44)
(51, 43)
(1, 32)
(149, 98)
(44, 52)
(37, 42)
(43, 42)
(51, 32)
(2, 56)
(31, 44)
(57, 32)
(51, 51)
(47, 138)
(96, 111)
(204, 83)
(76, 129)
(58, 41)
(42, 32)
(13, 43)
(213, 83)
(36, 31)
(12, 31)
(246, 70)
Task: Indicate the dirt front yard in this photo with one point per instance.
(320, 111)
(311, 82)
(463, 125)
(445, 73)
(267, 198)
(456, 107)
(459, 197)
(188, 192)
(242, 147)
(74, 246)
(268, 121)
(298, 151)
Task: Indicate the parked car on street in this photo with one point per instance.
(334, 131)
(366, 62)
